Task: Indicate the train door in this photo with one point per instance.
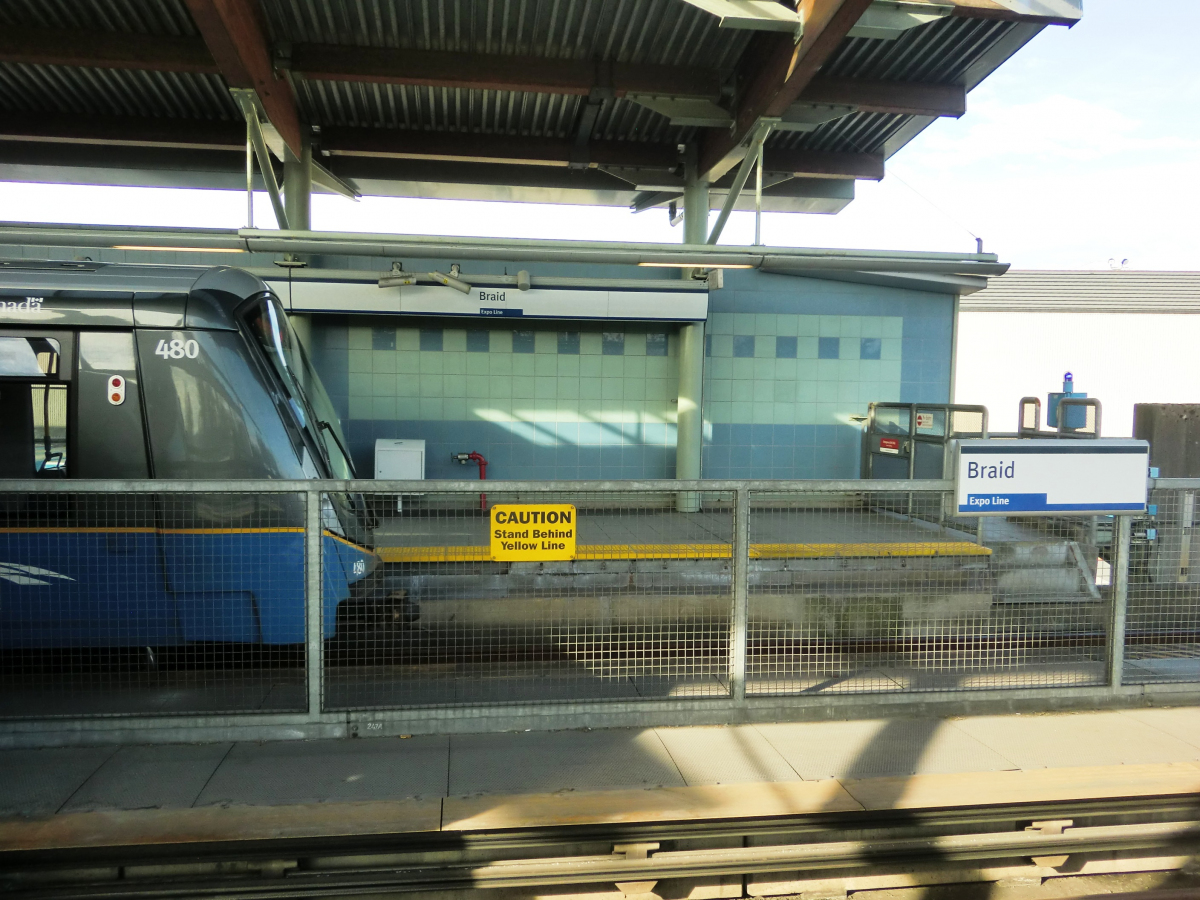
(76, 569)
(34, 375)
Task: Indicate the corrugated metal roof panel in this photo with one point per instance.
(938, 52)
(137, 16)
(114, 92)
(1083, 291)
(341, 103)
(657, 31)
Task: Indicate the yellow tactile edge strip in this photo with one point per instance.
(701, 551)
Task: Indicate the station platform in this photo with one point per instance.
(650, 534)
(506, 779)
(1057, 805)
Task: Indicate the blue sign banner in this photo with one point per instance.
(493, 311)
(1030, 503)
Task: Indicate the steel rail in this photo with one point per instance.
(813, 826)
(783, 858)
(293, 882)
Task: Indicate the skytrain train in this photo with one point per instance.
(157, 372)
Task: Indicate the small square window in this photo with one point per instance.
(431, 339)
(614, 343)
(478, 341)
(523, 342)
(656, 344)
(383, 338)
(743, 345)
(870, 348)
(708, 345)
(785, 347)
(829, 348)
(568, 342)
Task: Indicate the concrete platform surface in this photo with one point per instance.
(41, 784)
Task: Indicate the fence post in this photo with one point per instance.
(741, 593)
(314, 656)
(1120, 600)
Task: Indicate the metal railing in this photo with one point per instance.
(217, 606)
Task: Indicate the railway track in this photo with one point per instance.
(977, 843)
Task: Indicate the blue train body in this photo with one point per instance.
(159, 588)
(149, 372)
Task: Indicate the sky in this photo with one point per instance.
(1079, 150)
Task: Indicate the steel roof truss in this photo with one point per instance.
(247, 99)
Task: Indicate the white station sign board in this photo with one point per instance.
(1051, 477)
(494, 302)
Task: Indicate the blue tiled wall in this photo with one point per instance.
(803, 430)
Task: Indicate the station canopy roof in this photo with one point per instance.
(576, 101)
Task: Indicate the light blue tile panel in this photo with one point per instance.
(603, 413)
(796, 420)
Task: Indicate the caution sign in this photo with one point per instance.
(535, 531)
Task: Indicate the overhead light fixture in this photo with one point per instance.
(450, 281)
(696, 265)
(181, 249)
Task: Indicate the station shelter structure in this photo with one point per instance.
(678, 107)
(788, 365)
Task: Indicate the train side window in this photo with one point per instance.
(29, 357)
(49, 403)
(33, 442)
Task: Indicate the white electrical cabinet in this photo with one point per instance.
(402, 460)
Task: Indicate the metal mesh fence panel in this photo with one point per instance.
(881, 591)
(1162, 628)
(642, 610)
(151, 604)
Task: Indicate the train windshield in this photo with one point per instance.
(310, 402)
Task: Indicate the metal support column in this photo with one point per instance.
(297, 185)
(302, 326)
(695, 202)
(249, 180)
(741, 594)
(297, 204)
(1120, 600)
(314, 657)
(689, 424)
(758, 202)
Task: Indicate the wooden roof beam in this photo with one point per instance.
(230, 136)
(237, 40)
(105, 50)
(124, 131)
(496, 72)
(779, 70)
(893, 97)
(108, 50)
(823, 164)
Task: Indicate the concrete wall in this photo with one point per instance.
(788, 362)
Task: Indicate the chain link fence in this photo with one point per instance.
(1162, 630)
(151, 603)
(642, 611)
(319, 599)
(876, 591)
